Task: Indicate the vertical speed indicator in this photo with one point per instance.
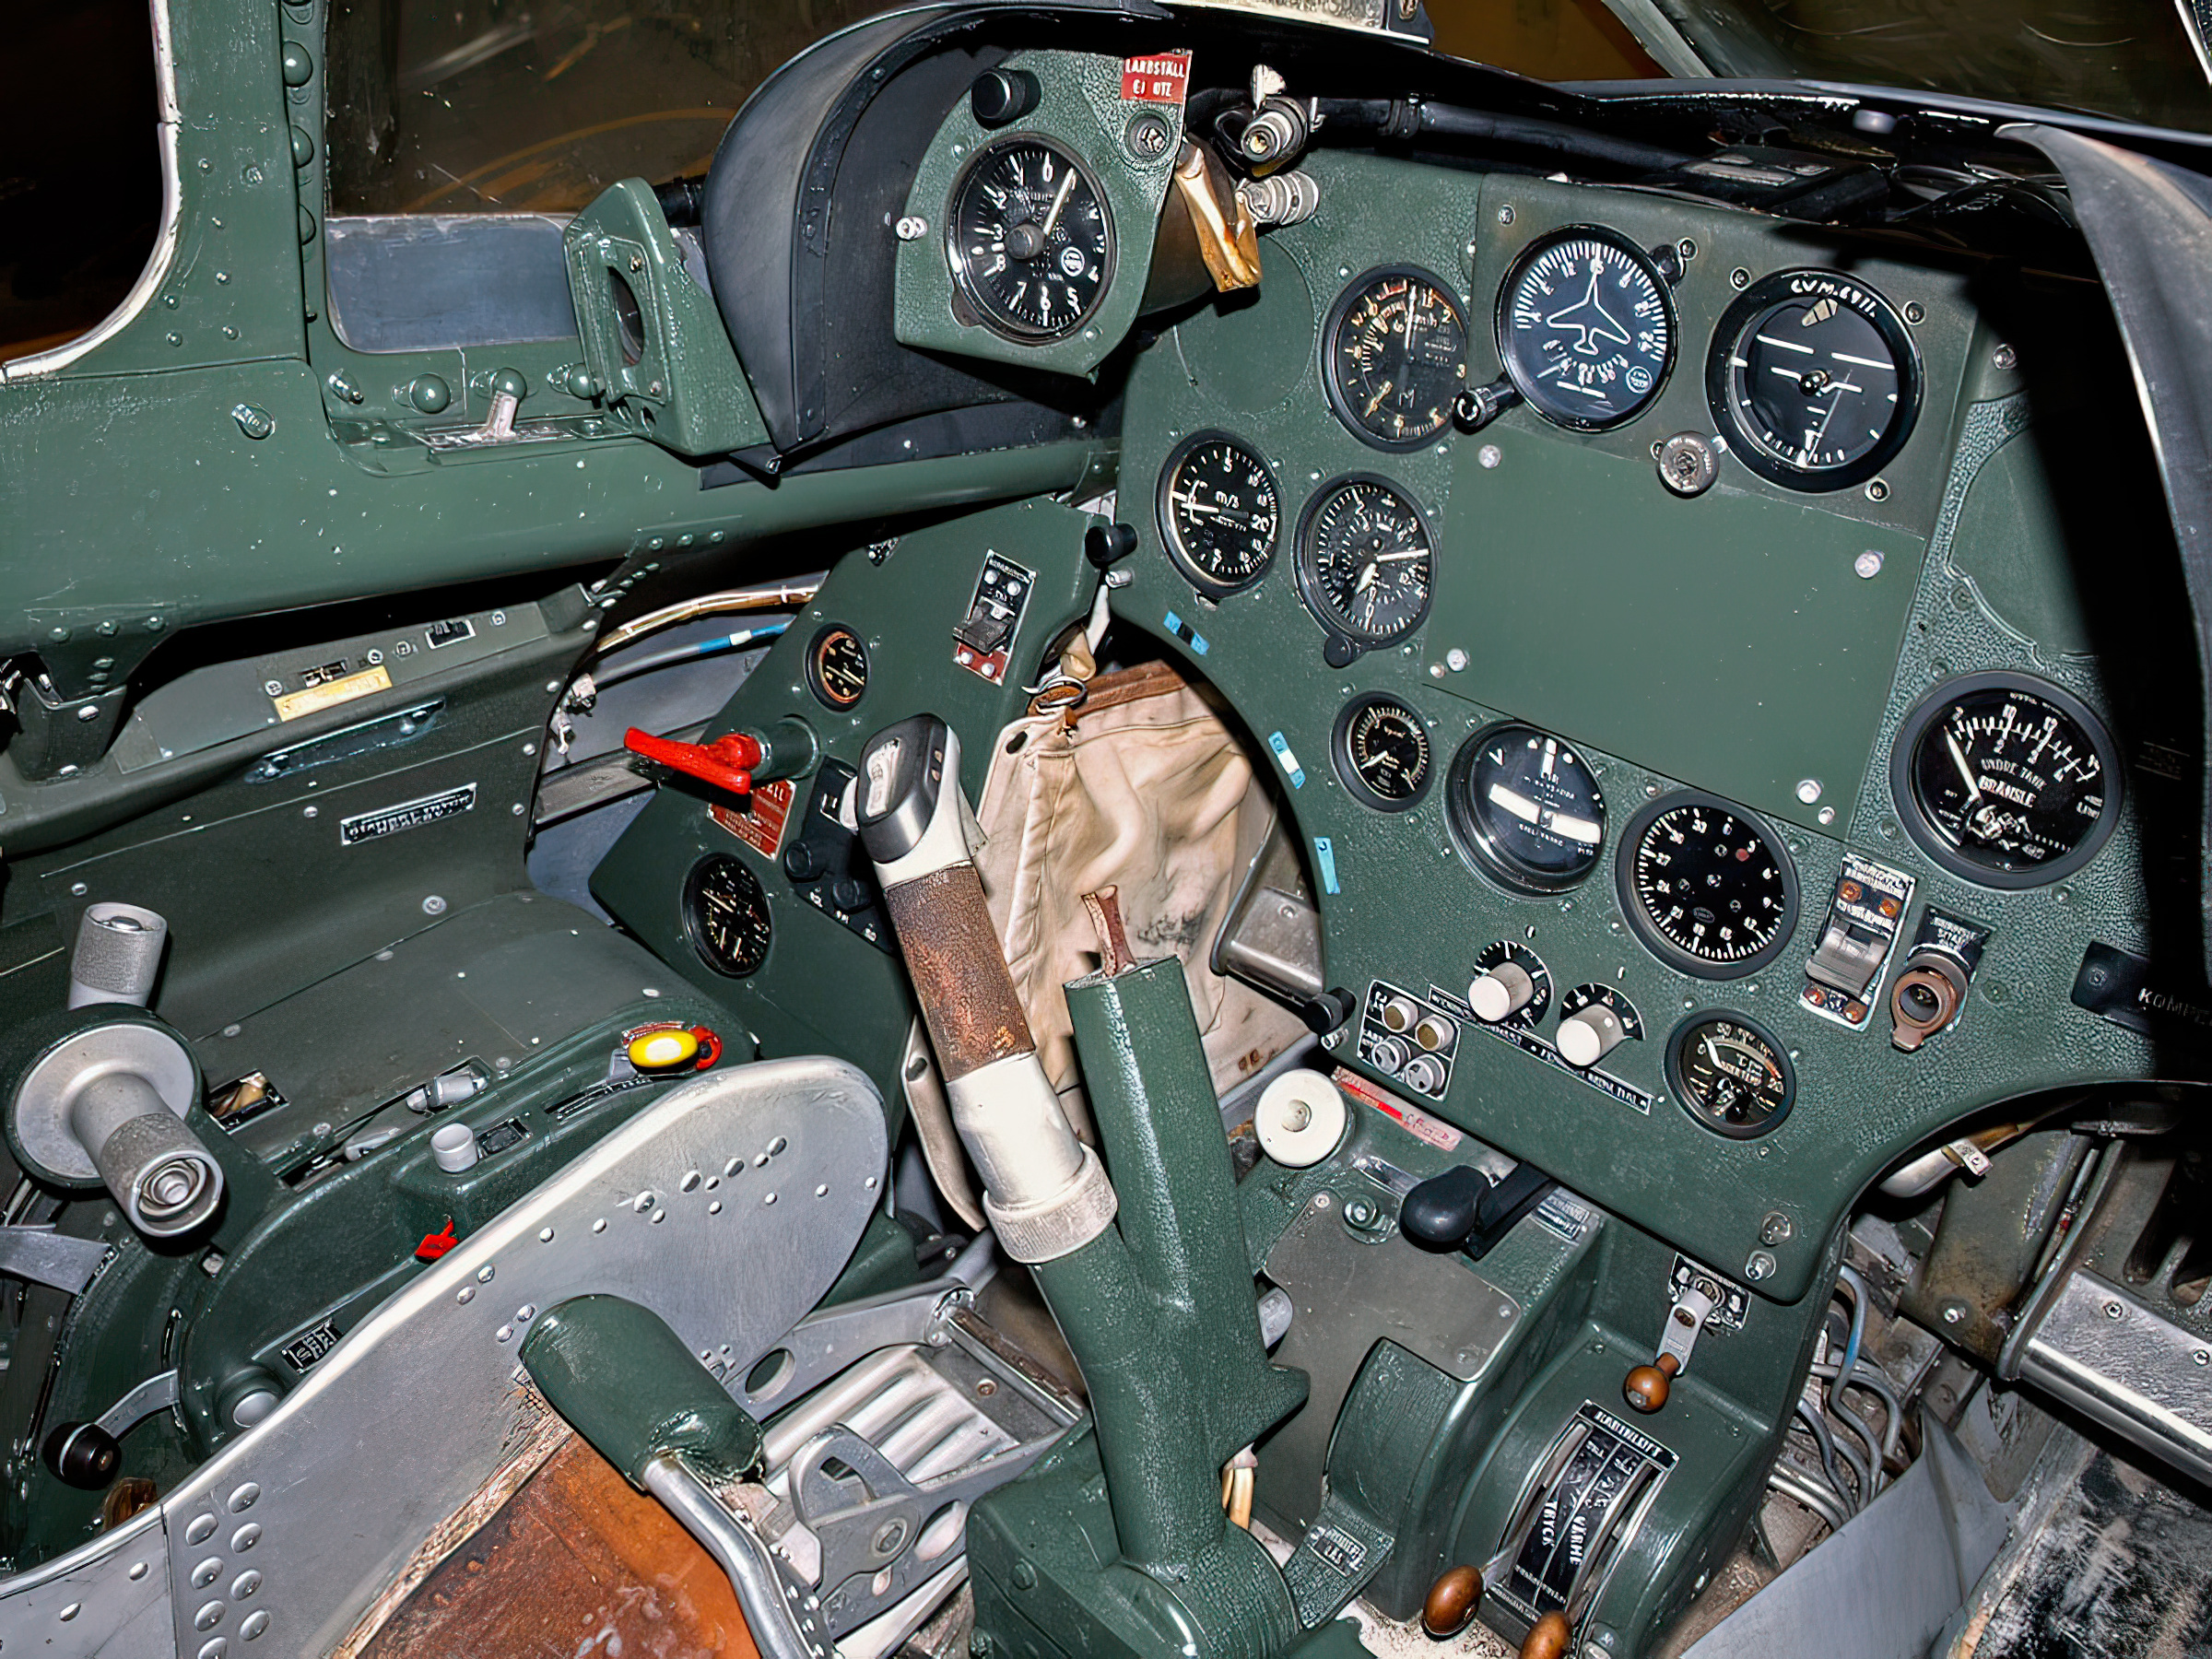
(1220, 513)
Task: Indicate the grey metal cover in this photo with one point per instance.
(728, 1208)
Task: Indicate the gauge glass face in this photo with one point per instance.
(1396, 358)
(1365, 563)
(1586, 328)
(2007, 781)
(1817, 383)
(1382, 752)
(1707, 886)
(1733, 1077)
(837, 667)
(1526, 806)
(1030, 239)
(1221, 514)
(726, 914)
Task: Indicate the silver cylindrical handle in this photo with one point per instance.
(117, 957)
(157, 1170)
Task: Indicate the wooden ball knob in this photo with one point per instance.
(1451, 1601)
(1646, 1387)
(1548, 1639)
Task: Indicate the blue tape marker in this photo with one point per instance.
(1185, 632)
(1325, 851)
(1281, 745)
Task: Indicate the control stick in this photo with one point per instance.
(1045, 1193)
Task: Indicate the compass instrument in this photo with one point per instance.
(1525, 808)
(2006, 780)
(1030, 239)
(1394, 356)
(1731, 1075)
(1814, 379)
(1586, 328)
(1707, 886)
(1220, 513)
(1366, 563)
(725, 913)
(1382, 753)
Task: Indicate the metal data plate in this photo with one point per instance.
(1350, 1293)
(728, 1208)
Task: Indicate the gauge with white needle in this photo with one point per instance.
(1219, 513)
(1525, 808)
(1731, 1074)
(1365, 561)
(2006, 780)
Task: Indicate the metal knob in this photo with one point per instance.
(1501, 993)
(1589, 1034)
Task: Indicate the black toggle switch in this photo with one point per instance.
(1463, 1209)
(999, 96)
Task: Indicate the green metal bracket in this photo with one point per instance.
(652, 338)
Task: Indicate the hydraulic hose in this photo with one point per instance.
(1402, 120)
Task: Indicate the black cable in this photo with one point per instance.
(1401, 120)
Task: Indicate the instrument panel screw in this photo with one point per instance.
(1739, 279)
(1760, 1267)
(1877, 491)
(2203, 1356)
(912, 227)
(1809, 790)
(433, 906)
(2004, 356)
(1915, 311)
(1867, 565)
(1775, 1228)
(1954, 1313)
(1505, 213)
(2112, 1309)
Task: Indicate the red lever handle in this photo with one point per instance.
(727, 762)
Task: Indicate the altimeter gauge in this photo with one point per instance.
(1365, 564)
(1030, 239)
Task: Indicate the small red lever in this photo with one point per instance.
(727, 762)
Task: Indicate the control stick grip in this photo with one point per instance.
(1045, 1193)
(968, 1003)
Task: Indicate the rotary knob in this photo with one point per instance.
(1588, 1036)
(1501, 993)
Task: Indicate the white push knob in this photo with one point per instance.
(1503, 991)
(454, 1147)
(1589, 1034)
(1300, 1118)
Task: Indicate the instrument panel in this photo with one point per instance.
(1633, 778)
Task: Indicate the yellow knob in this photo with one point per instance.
(662, 1051)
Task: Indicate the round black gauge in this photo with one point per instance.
(726, 914)
(1382, 752)
(1030, 239)
(1394, 356)
(1814, 380)
(1221, 514)
(2005, 780)
(1730, 1074)
(1586, 328)
(1525, 808)
(837, 666)
(1707, 886)
(1365, 563)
